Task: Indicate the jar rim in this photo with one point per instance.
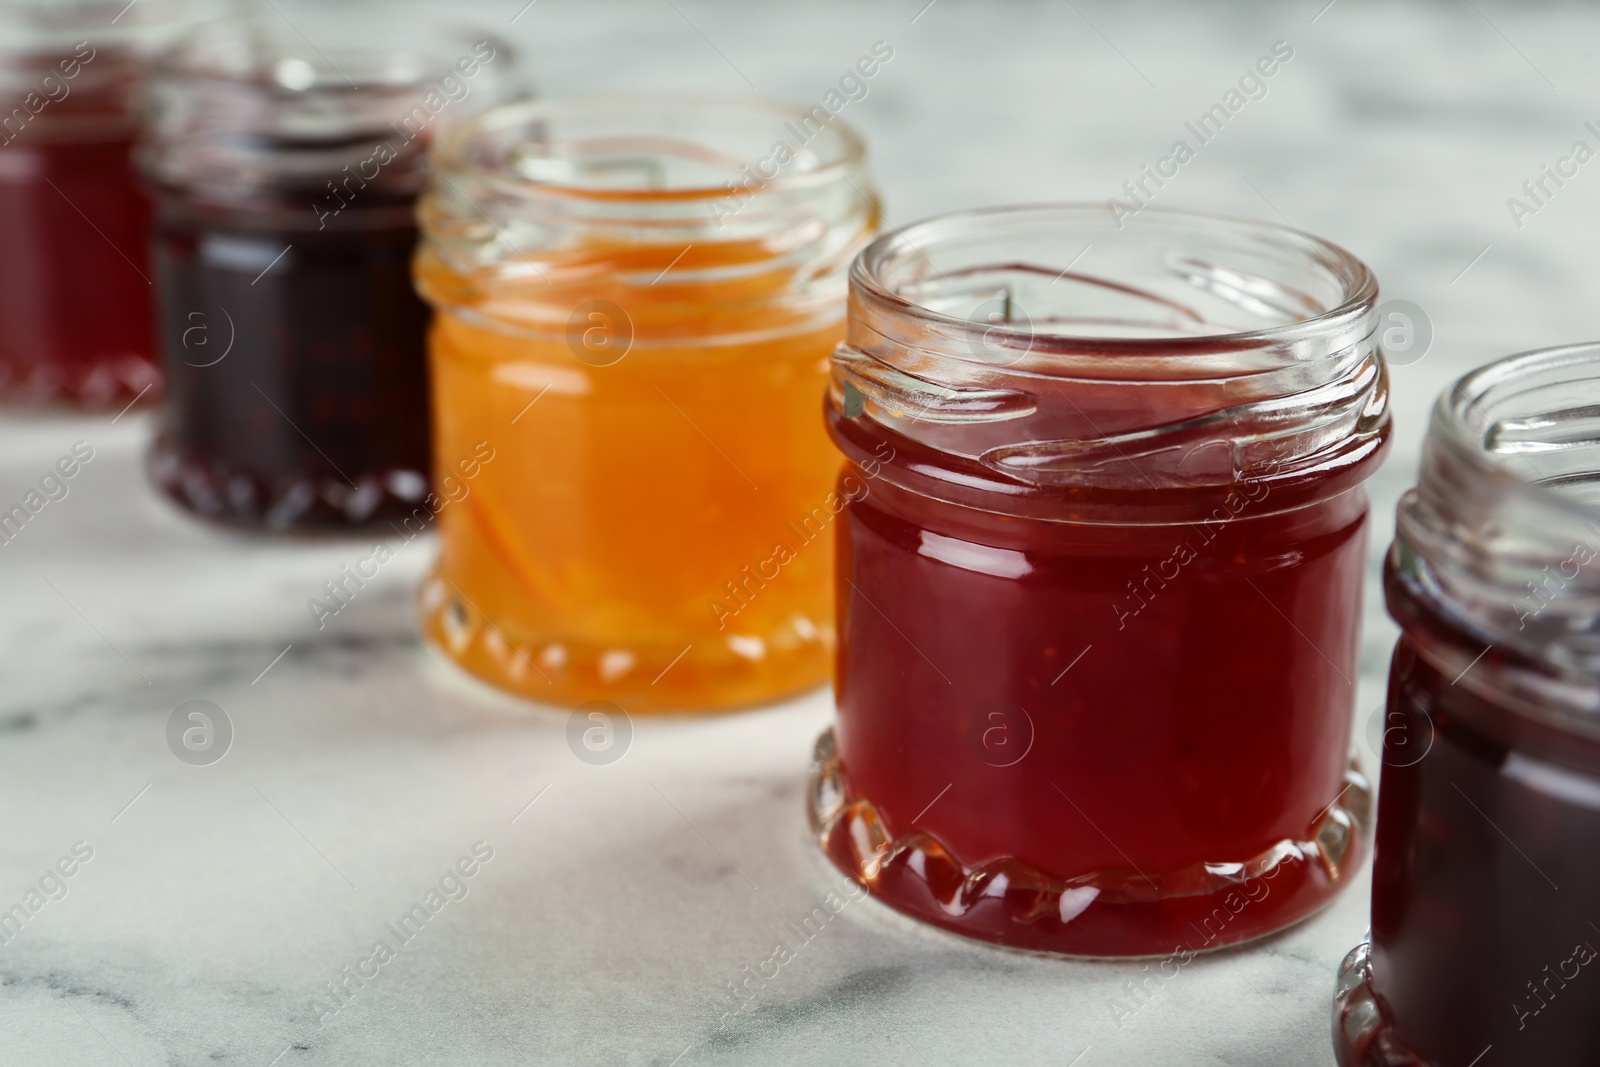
(452, 154)
(1453, 423)
(187, 58)
(1358, 283)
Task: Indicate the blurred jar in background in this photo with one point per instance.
(285, 158)
(1487, 868)
(635, 301)
(75, 321)
(1100, 576)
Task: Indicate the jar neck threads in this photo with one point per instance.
(1059, 349)
(245, 109)
(1501, 536)
(666, 206)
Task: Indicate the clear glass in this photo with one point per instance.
(634, 300)
(75, 279)
(1099, 576)
(286, 153)
(1487, 862)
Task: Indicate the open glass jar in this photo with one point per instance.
(286, 158)
(75, 321)
(635, 300)
(1487, 866)
(1099, 576)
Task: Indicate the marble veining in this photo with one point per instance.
(624, 903)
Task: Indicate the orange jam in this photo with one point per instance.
(644, 348)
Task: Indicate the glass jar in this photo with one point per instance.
(1099, 576)
(635, 300)
(1487, 866)
(75, 321)
(286, 158)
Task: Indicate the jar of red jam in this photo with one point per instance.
(1100, 548)
(1486, 875)
(75, 322)
(286, 159)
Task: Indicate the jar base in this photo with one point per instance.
(1108, 914)
(692, 676)
(302, 503)
(93, 385)
(1363, 1033)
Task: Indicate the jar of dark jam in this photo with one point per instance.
(1486, 874)
(1100, 565)
(75, 321)
(285, 159)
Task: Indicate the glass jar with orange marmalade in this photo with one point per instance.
(635, 301)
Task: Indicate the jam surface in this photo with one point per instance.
(1094, 739)
(296, 366)
(1486, 877)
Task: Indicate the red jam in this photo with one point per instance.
(1098, 739)
(1099, 577)
(75, 282)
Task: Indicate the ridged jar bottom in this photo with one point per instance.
(302, 501)
(1117, 914)
(92, 384)
(1363, 1033)
(549, 665)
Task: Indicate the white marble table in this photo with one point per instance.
(616, 910)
